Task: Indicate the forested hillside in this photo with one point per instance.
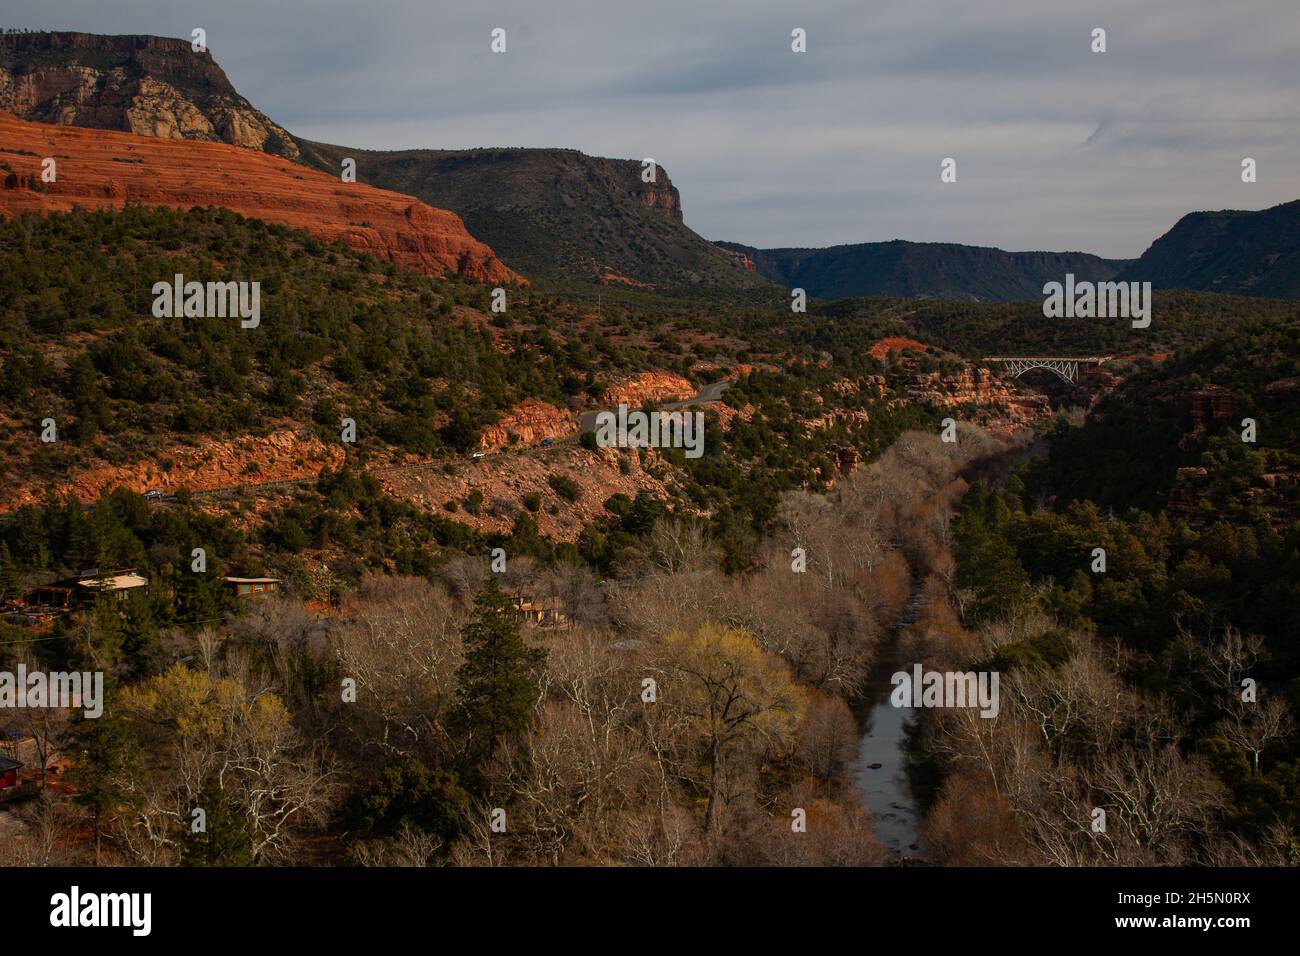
(1146, 631)
(1178, 320)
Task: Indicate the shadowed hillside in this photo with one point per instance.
(939, 270)
(1244, 253)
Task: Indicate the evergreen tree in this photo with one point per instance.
(108, 763)
(198, 596)
(10, 586)
(226, 840)
(408, 792)
(497, 684)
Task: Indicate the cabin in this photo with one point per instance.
(60, 597)
(117, 585)
(547, 612)
(52, 597)
(9, 772)
(246, 587)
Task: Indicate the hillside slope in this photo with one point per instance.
(557, 212)
(1244, 253)
(937, 270)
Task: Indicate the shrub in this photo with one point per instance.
(565, 487)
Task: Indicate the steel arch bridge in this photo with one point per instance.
(1065, 366)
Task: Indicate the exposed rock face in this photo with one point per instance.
(648, 386)
(847, 458)
(1189, 487)
(980, 387)
(528, 423)
(98, 169)
(1208, 407)
(283, 455)
(150, 86)
(661, 195)
(839, 417)
(1211, 405)
(746, 263)
(889, 346)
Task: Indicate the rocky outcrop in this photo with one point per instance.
(528, 423)
(1211, 405)
(745, 262)
(1189, 488)
(980, 387)
(100, 169)
(609, 276)
(893, 345)
(150, 86)
(654, 387)
(661, 195)
(283, 455)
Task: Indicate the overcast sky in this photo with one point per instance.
(1056, 147)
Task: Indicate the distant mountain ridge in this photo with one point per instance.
(1235, 251)
(939, 270)
(562, 215)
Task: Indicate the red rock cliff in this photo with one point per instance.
(103, 169)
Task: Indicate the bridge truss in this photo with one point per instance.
(1065, 366)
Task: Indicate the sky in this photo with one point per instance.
(1056, 147)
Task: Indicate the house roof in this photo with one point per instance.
(252, 580)
(117, 582)
(6, 764)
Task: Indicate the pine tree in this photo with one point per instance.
(10, 586)
(108, 763)
(226, 839)
(497, 684)
(198, 596)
